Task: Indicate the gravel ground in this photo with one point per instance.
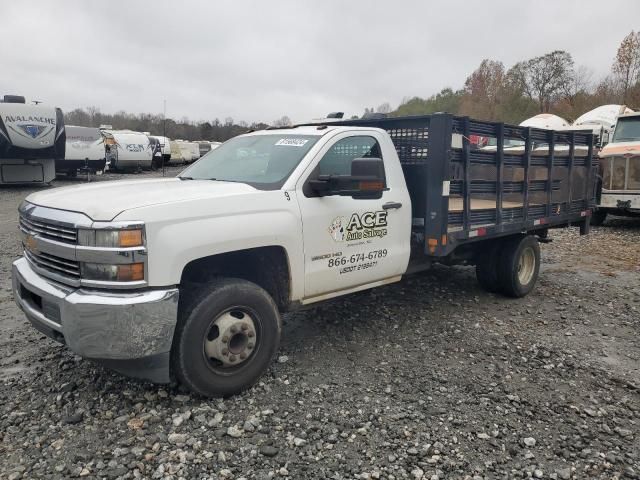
(429, 378)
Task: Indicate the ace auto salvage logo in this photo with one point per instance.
(359, 226)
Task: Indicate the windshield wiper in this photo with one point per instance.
(185, 178)
(223, 180)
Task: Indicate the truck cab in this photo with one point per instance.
(620, 170)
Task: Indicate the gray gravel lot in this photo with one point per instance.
(429, 378)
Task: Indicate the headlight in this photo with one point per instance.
(113, 273)
(111, 238)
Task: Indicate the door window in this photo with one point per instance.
(337, 161)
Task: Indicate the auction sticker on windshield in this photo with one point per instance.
(291, 142)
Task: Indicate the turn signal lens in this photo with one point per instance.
(130, 238)
(371, 186)
(131, 273)
(105, 238)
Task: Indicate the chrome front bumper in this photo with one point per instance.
(621, 200)
(130, 332)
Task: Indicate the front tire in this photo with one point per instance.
(519, 265)
(227, 336)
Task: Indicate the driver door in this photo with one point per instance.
(351, 242)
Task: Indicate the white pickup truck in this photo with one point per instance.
(186, 278)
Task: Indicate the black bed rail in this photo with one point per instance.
(439, 161)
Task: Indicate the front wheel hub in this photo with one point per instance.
(231, 338)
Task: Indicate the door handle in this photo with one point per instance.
(390, 205)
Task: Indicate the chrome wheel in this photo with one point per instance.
(526, 266)
(231, 339)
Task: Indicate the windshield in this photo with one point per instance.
(627, 130)
(263, 161)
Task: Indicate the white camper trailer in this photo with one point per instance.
(85, 150)
(176, 152)
(32, 138)
(129, 150)
(190, 151)
(206, 146)
(165, 146)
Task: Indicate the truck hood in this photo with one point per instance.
(103, 201)
(621, 148)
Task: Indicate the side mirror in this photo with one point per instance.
(366, 180)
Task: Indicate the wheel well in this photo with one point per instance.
(267, 267)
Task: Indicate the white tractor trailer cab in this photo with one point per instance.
(620, 171)
(185, 279)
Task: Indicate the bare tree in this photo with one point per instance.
(626, 67)
(543, 78)
(283, 121)
(384, 108)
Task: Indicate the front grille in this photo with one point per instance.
(48, 230)
(51, 263)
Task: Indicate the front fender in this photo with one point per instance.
(178, 234)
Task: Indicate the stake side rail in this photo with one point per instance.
(532, 188)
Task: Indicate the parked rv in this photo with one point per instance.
(176, 152)
(205, 147)
(165, 145)
(32, 140)
(190, 151)
(156, 149)
(186, 278)
(130, 150)
(620, 170)
(85, 150)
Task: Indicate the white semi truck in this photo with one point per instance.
(186, 278)
(32, 139)
(620, 171)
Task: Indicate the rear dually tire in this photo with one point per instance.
(519, 265)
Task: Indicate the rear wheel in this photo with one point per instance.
(228, 334)
(598, 217)
(519, 265)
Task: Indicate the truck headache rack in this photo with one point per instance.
(469, 179)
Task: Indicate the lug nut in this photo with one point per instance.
(244, 327)
(234, 329)
(225, 339)
(232, 358)
(225, 352)
(243, 356)
(250, 345)
(251, 334)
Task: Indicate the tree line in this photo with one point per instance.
(547, 83)
(185, 129)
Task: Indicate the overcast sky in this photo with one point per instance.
(259, 60)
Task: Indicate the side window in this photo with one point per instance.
(337, 161)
